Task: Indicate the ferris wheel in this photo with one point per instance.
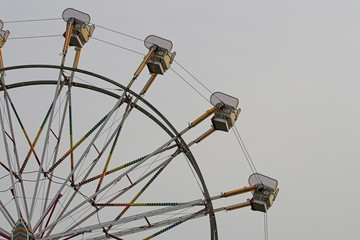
(93, 159)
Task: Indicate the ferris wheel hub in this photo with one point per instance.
(21, 231)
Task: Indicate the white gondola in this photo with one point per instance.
(265, 194)
(162, 57)
(81, 30)
(3, 35)
(226, 116)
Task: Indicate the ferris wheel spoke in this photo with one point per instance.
(158, 171)
(56, 150)
(8, 102)
(167, 222)
(9, 171)
(40, 130)
(88, 180)
(64, 208)
(48, 184)
(60, 160)
(88, 172)
(127, 111)
(58, 87)
(4, 233)
(75, 65)
(50, 210)
(18, 176)
(85, 181)
(9, 165)
(120, 193)
(106, 145)
(7, 99)
(6, 214)
(100, 124)
(144, 175)
(118, 178)
(103, 123)
(148, 214)
(171, 223)
(71, 132)
(31, 150)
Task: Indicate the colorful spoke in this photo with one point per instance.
(24, 131)
(141, 192)
(108, 159)
(40, 131)
(36, 139)
(112, 171)
(163, 230)
(71, 133)
(136, 204)
(77, 144)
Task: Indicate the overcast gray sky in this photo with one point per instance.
(292, 64)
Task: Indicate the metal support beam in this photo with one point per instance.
(161, 211)
(6, 214)
(201, 118)
(233, 207)
(4, 234)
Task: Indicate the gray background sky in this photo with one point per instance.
(292, 64)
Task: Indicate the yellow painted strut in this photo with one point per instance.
(201, 118)
(202, 137)
(237, 206)
(141, 67)
(204, 116)
(144, 62)
(1, 59)
(149, 84)
(67, 37)
(239, 191)
(235, 192)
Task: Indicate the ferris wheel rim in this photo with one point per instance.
(173, 133)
